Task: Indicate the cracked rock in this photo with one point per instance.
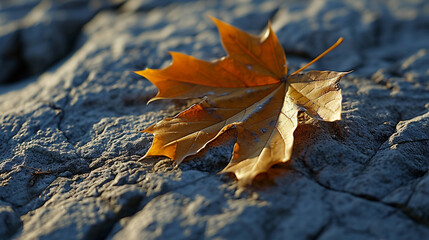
(71, 140)
(36, 34)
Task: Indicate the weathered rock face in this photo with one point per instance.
(70, 140)
(36, 33)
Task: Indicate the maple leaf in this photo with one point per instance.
(247, 91)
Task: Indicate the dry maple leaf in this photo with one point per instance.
(247, 92)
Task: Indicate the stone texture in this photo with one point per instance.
(70, 140)
(35, 34)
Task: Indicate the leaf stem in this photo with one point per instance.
(339, 41)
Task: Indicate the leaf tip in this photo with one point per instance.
(153, 99)
(139, 72)
(342, 74)
(215, 20)
(148, 129)
(145, 157)
(269, 27)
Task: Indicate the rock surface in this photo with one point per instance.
(36, 33)
(70, 140)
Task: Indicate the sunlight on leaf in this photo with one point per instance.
(246, 92)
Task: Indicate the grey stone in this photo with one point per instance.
(8, 52)
(9, 220)
(36, 34)
(70, 139)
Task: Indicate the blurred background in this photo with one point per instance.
(71, 111)
(35, 34)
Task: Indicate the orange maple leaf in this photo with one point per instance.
(247, 92)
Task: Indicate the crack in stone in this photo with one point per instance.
(370, 198)
(406, 141)
(367, 165)
(322, 229)
(403, 208)
(144, 201)
(60, 121)
(380, 147)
